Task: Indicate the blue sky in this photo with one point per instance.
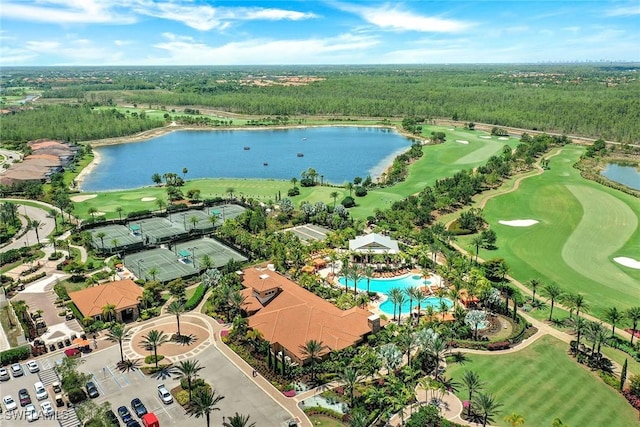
(201, 32)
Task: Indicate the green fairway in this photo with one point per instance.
(542, 382)
(582, 227)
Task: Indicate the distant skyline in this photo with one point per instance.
(199, 32)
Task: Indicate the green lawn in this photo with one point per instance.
(542, 382)
(582, 227)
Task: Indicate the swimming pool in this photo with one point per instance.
(385, 285)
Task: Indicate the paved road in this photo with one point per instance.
(47, 224)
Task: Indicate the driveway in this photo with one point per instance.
(40, 214)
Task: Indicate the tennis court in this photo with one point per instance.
(182, 260)
(156, 231)
(193, 220)
(225, 212)
(114, 238)
(309, 232)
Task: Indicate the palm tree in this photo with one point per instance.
(553, 292)
(579, 327)
(438, 351)
(613, 316)
(349, 186)
(176, 307)
(514, 419)
(557, 422)
(188, 369)
(477, 242)
(313, 349)
(153, 340)
(238, 421)
(350, 377)
(534, 283)
(194, 221)
(119, 209)
(109, 311)
(21, 308)
(230, 191)
(101, 235)
(203, 403)
(368, 273)
(418, 296)
(153, 271)
(119, 333)
(633, 314)
(54, 214)
(487, 405)
(580, 304)
(184, 173)
(92, 211)
(355, 276)
(334, 196)
(395, 294)
(472, 381)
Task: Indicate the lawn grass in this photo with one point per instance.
(542, 382)
(583, 226)
(325, 421)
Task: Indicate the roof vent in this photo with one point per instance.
(264, 276)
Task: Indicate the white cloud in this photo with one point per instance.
(205, 17)
(187, 51)
(123, 42)
(393, 18)
(630, 10)
(65, 12)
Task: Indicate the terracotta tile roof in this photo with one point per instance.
(122, 294)
(295, 316)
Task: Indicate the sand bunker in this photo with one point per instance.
(628, 262)
(451, 129)
(98, 213)
(503, 138)
(148, 199)
(485, 137)
(519, 222)
(462, 141)
(83, 198)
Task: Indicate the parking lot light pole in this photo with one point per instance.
(139, 269)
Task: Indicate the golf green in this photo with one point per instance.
(582, 227)
(541, 383)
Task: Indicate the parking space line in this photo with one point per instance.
(97, 383)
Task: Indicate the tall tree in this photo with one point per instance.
(313, 349)
(633, 314)
(534, 283)
(487, 405)
(613, 316)
(514, 419)
(109, 311)
(553, 292)
(350, 377)
(119, 333)
(188, 369)
(152, 340)
(176, 308)
(203, 403)
(238, 420)
(472, 382)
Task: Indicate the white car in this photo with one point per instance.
(9, 403)
(33, 367)
(16, 370)
(4, 374)
(41, 392)
(164, 394)
(31, 412)
(47, 409)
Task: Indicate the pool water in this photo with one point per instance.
(385, 285)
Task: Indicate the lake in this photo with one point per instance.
(624, 174)
(337, 153)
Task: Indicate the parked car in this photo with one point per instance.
(41, 392)
(138, 407)
(164, 394)
(16, 370)
(31, 412)
(56, 387)
(4, 374)
(59, 400)
(47, 409)
(33, 367)
(24, 397)
(9, 403)
(133, 423)
(113, 419)
(92, 390)
(124, 414)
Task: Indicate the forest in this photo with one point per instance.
(594, 100)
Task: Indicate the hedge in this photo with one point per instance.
(76, 312)
(195, 298)
(14, 355)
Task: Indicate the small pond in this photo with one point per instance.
(628, 175)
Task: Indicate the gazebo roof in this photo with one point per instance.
(374, 243)
(184, 253)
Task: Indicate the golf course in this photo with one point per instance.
(577, 228)
(525, 380)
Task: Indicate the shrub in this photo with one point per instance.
(182, 397)
(293, 192)
(360, 191)
(348, 202)
(195, 298)
(13, 355)
(632, 399)
(610, 380)
(500, 345)
(75, 310)
(151, 359)
(76, 395)
(197, 383)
